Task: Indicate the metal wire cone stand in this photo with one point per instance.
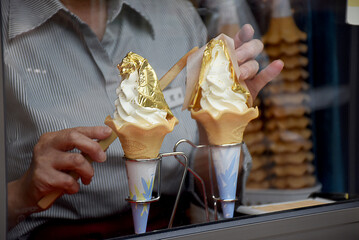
(241, 178)
(157, 198)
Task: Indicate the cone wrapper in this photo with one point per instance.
(140, 177)
(226, 162)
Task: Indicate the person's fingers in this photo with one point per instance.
(81, 138)
(97, 132)
(63, 181)
(54, 168)
(249, 50)
(46, 180)
(245, 34)
(248, 70)
(266, 75)
(74, 162)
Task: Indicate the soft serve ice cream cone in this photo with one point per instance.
(141, 121)
(223, 106)
(142, 117)
(221, 103)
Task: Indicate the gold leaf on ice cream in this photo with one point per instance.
(149, 92)
(206, 61)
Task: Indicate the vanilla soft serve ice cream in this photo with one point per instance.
(140, 100)
(128, 108)
(217, 86)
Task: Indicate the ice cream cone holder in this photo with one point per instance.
(178, 156)
(224, 160)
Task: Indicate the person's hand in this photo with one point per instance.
(247, 49)
(52, 158)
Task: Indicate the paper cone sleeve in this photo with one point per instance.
(227, 128)
(140, 142)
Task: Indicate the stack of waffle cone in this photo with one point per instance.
(254, 138)
(286, 103)
(141, 144)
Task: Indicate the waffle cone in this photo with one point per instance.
(283, 29)
(227, 128)
(140, 142)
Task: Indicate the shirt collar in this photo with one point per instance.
(30, 14)
(140, 8)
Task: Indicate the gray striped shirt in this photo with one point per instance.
(59, 75)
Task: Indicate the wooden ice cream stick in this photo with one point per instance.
(175, 70)
(47, 200)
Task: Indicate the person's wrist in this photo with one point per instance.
(19, 206)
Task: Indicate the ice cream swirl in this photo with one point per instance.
(219, 88)
(140, 100)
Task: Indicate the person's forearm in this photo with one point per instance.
(18, 209)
